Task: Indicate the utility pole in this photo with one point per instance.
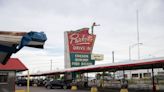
(129, 53)
(138, 35)
(113, 62)
(51, 65)
(112, 56)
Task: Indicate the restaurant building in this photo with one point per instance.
(8, 74)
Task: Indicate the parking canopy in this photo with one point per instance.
(12, 42)
(112, 67)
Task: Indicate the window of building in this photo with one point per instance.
(147, 74)
(134, 75)
(160, 73)
(3, 77)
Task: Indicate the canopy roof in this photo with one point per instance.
(127, 65)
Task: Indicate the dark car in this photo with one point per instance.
(23, 82)
(40, 82)
(58, 84)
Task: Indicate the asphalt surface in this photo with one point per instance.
(43, 89)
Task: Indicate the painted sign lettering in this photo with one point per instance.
(81, 41)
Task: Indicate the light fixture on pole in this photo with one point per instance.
(130, 47)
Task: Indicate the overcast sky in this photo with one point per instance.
(117, 30)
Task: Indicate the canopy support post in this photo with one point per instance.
(154, 87)
(124, 83)
(87, 80)
(28, 81)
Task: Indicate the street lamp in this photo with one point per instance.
(131, 46)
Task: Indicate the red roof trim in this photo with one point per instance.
(14, 64)
(115, 66)
(118, 66)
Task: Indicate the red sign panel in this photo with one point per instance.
(81, 41)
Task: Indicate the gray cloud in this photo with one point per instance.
(116, 17)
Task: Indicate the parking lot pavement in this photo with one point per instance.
(43, 89)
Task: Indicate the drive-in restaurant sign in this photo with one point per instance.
(80, 44)
(81, 41)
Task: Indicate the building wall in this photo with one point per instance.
(138, 74)
(143, 73)
(9, 85)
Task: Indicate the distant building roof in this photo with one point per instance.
(13, 64)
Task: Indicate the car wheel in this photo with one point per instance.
(48, 87)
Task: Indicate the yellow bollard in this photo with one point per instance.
(124, 90)
(74, 88)
(157, 87)
(20, 91)
(94, 89)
